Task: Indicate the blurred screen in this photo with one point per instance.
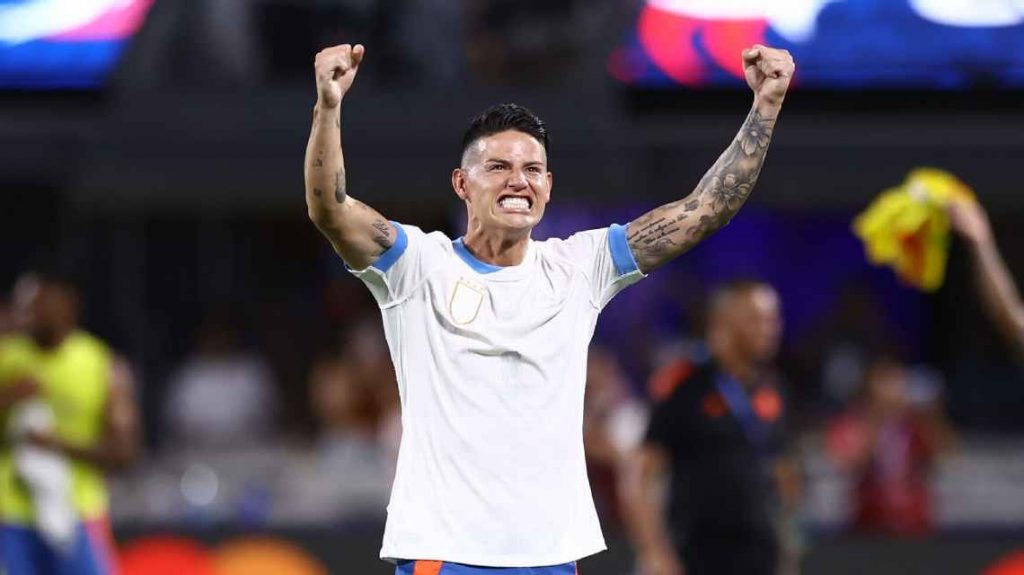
(838, 44)
(64, 43)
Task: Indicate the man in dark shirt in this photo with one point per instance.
(716, 431)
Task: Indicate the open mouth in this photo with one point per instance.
(515, 203)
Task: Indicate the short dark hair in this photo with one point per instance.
(503, 117)
(733, 287)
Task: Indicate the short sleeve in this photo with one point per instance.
(671, 405)
(605, 256)
(401, 268)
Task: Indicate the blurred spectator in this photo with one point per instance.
(716, 436)
(353, 397)
(613, 425)
(889, 440)
(68, 415)
(221, 397)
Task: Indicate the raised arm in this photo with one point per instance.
(358, 232)
(999, 294)
(674, 228)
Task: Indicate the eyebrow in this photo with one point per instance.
(508, 163)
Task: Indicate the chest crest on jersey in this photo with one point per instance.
(467, 297)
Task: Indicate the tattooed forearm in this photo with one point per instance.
(672, 229)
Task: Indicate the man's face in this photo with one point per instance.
(43, 308)
(504, 181)
(755, 320)
(887, 387)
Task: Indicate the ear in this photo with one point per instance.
(551, 183)
(459, 183)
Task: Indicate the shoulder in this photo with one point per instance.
(574, 251)
(88, 342)
(586, 239)
(668, 381)
(436, 241)
(86, 347)
(418, 233)
(13, 343)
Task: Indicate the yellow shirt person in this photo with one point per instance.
(91, 426)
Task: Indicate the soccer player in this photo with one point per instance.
(489, 332)
(53, 501)
(999, 294)
(716, 435)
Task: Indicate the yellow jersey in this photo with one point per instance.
(74, 380)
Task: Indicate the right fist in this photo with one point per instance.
(336, 68)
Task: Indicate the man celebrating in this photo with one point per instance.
(489, 332)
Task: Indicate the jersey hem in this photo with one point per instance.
(489, 560)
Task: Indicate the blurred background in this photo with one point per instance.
(157, 145)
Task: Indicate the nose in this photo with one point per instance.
(517, 180)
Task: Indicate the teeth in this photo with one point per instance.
(515, 203)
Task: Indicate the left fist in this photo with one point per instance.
(768, 72)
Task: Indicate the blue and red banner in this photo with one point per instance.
(838, 44)
(65, 43)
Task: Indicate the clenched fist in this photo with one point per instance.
(768, 71)
(336, 69)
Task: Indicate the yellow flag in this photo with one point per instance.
(907, 227)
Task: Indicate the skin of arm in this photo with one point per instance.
(788, 481)
(645, 513)
(19, 390)
(119, 445)
(674, 228)
(358, 233)
(999, 294)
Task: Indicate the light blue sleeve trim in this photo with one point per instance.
(622, 256)
(391, 255)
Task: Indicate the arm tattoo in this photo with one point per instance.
(662, 234)
(382, 233)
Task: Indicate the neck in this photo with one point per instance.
(53, 339)
(496, 248)
(739, 367)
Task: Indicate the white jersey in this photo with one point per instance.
(491, 366)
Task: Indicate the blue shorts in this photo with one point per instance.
(445, 568)
(23, 552)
